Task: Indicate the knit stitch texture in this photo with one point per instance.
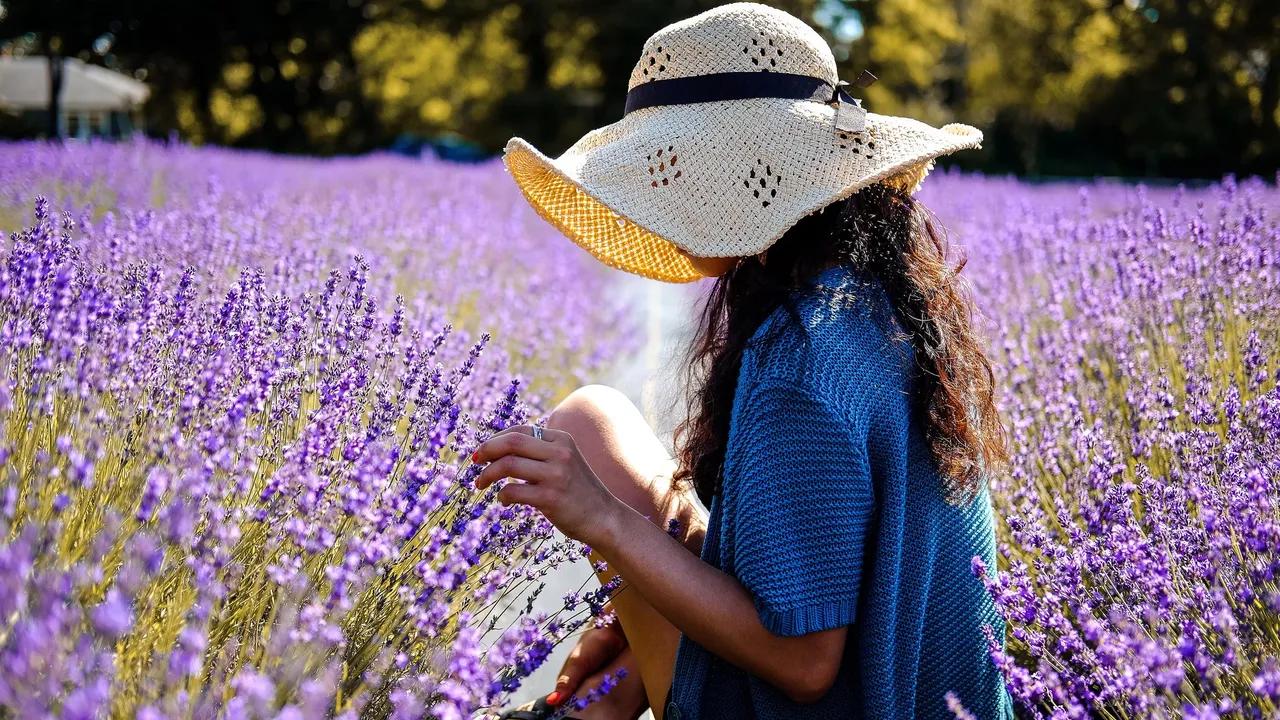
(833, 513)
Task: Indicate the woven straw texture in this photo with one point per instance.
(724, 178)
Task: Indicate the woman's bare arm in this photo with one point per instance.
(703, 602)
(713, 608)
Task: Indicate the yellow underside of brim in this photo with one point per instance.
(611, 237)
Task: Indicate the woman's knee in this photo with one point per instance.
(622, 448)
(613, 436)
(590, 408)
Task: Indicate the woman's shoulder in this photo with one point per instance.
(841, 327)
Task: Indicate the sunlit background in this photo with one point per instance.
(1138, 88)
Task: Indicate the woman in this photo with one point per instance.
(842, 422)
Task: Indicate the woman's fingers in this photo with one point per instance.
(627, 699)
(523, 494)
(513, 466)
(548, 435)
(594, 650)
(517, 440)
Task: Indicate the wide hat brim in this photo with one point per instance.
(716, 179)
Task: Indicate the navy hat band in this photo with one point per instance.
(733, 86)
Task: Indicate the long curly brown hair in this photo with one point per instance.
(886, 232)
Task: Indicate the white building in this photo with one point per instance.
(95, 101)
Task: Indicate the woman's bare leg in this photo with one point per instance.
(629, 458)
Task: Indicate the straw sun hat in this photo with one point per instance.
(736, 126)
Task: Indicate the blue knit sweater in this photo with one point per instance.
(832, 513)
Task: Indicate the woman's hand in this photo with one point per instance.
(704, 602)
(598, 648)
(556, 480)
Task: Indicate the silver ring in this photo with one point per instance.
(537, 433)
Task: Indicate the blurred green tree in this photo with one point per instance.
(548, 71)
(273, 73)
(1202, 94)
(1134, 87)
(348, 75)
(913, 47)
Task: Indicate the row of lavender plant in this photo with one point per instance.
(1135, 334)
(216, 470)
(235, 397)
(456, 241)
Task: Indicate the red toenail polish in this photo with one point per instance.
(554, 698)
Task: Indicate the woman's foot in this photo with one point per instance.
(626, 701)
(532, 710)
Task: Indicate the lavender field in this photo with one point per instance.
(238, 391)
(1135, 334)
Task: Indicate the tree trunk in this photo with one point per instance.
(56, 67)
(536, 113)
(1271, 98)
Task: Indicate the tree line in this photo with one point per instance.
(1173, 88)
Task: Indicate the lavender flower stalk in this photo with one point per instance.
(232, 481)
(1135, 335)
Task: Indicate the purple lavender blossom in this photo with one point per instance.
(1135, 337)
(235, 415)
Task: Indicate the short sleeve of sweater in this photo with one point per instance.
(804, 506)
